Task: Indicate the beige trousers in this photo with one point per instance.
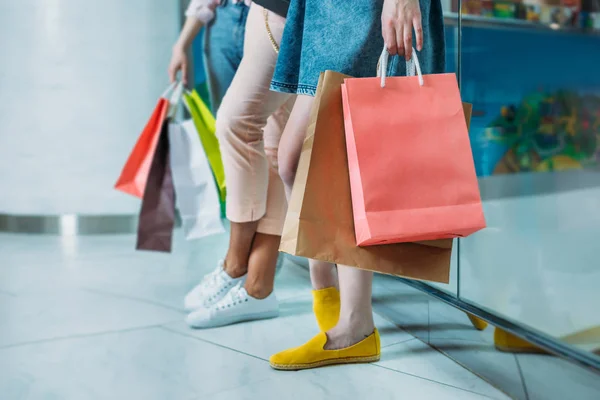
(250, 123)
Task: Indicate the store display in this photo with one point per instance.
(553, 13)
(531, 11)
(505, 9)
(475, 7)
(593, 21)
(546, 132)
(487, 8)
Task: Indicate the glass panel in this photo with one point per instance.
(452, 41)
(531, 70)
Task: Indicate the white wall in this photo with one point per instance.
(78, 80)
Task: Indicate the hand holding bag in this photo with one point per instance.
(411, 168)
(135, 172)
(157, 215)
(319, 223)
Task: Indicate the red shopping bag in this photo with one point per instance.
(135, 172)
(412, 174)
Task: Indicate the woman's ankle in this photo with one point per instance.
(322, 275)
(234, 268)
(346, 334)
(362, 323)
(258, 291)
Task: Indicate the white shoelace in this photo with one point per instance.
(234, 297)
(214, 278)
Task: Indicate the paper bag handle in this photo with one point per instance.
(412, 66)
(175, 99)
(169, 90)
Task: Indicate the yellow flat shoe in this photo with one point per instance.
(313, 355)
(326, 306)
(509, 343)
(478, 323)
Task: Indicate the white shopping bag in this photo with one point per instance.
(196, 194)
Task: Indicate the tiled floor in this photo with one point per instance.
(89, 318)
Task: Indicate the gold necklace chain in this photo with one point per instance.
(271, 38)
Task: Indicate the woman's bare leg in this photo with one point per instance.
(255, 207)
(262, 262)
(264, 253)
(241, 237)
(347, 321)
(322, 274)
(356, 313)
(248, 111)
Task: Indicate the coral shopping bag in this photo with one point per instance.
(135, 172)
(197, 194)
(206, 126)
(319, 223)
(411, 168)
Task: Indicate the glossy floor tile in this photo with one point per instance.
(537, 262)
(139, 364)
(417, 358)
(350, 382)
(536, 369)
(449, 331)
(47, 316)
(90, 318)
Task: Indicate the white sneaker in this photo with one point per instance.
(236, 306)
(213, 287)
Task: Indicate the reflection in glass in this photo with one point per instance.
(531, 70)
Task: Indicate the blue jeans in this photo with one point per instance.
(224, 48)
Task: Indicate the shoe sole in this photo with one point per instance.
(324, 363)
(241, 318)
(520, 350)
(477, 323)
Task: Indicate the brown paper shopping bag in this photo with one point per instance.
(157, 215)
(319, 223)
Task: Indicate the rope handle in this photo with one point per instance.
(412, 66)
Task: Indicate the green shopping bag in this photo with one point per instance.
(206, 125)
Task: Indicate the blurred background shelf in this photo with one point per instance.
(477, 21)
